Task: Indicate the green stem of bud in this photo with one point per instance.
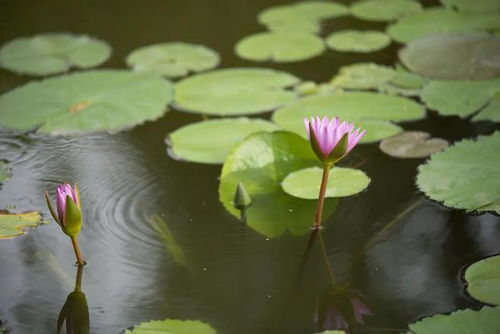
(321, 197)
(78, 253)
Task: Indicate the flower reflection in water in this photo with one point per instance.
(75, 311)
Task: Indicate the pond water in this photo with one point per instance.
(160, 244)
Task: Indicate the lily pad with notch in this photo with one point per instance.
(260, 163)
(210, 141)
(16, 224)
(412, 144)
(235, 91)
(173, 60)
(384, 10)
(52, 53)
(357, 41)
(456, 176)
(86, 102)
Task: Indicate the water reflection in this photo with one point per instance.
(75, 311)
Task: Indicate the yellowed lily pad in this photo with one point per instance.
(412, 144)
(14, 225)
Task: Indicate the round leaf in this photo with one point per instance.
(473, 6)
(363, 76)
(342, 182)
(465, 176)
(412, 144)
(483, 280)
(260, 163)
(172, 326)
(357, 41)
(52, 53)
(104, 100)
(484, 321)
(13, 225)
(440, 20)
(235, 91)
(210, 141)
(454, 56)
(279, 47)
(173, 60)
(464, 98)
(384, 10)
(371, 111)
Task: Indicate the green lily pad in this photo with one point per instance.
(14, 225)
(301, 16)
(332, 332)
(279, 47)
(412, 144)
(454, 56)
(371, 111)
(483, 280)
(4, 171)
(405, 79)
(363, 76)
(484, 321)
(210, 141)
(473, 6)
(465, 175)
(357, 41)
(342, 182)
(85, 102)
(52, 53)
(464, 98)
(260, 163)
(384, 10)
(173, 60)
(172, 326)
(440, 20)
(235, 91)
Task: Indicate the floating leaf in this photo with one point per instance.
(473, 6)
(384, 10)
(279, 47)
(4, 171)
(483, 280)
(13, 225)
(210, 141)
(371, 111)
(363, 76)
(465, 176)
(484, 321)
(173, 60)
(260, 163)
(172, 326)
(440, 20)
(454, 56)
(405, 79)
(464, 98)
(412, 144)
(305, 16)
(357, 41)
(235, 91)
(52, 53)
(102, 100)
(332, 332)
(342, 182)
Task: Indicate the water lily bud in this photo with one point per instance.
(241, 199)
(69, 212)
(331, 139)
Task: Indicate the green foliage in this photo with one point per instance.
(473, 6)
(13, 225)
(453, 56)
(357, 41)
(279, 47)
(173, 60)
(235, 91)
(52, 53)
(172, 326)
(363, 76)
(384, 10)
(85, 102)
(210, 141)
(260, 163)
(465, 176)
(483, 280)
(412, 144)
(342, 182)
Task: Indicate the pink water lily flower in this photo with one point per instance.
(62, 192)
(332, 139)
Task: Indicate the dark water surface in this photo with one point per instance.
(402, 252)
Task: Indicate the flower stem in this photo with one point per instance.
(78, 253)
(321, 197)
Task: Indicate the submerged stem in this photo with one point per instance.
(321, 197)
(78, 253)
